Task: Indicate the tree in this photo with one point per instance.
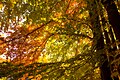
(98, 38)
(113, 17)
(59, 39)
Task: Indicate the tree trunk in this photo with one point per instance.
(114, 20)
(113, 16)
(99, 40)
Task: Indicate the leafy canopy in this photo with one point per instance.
(46, 39)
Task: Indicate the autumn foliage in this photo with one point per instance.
(53, 39)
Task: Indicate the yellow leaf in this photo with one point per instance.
(1, 6)
(44, 19)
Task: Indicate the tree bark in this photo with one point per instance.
(114, 20)
(113, 16)
(99, 40)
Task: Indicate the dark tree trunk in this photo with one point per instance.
(114, 20)
(113, 16)
(99, 40)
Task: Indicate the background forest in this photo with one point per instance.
(59, 40)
